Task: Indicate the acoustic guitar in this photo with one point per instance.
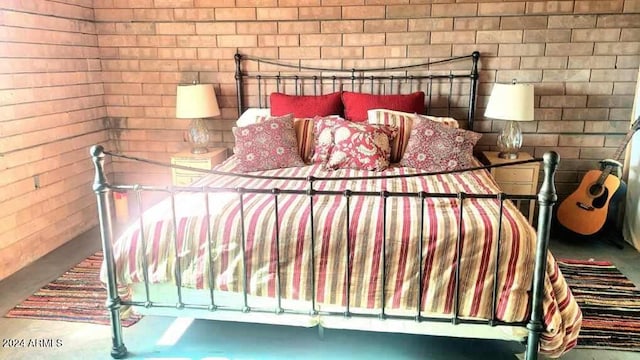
(585, 210)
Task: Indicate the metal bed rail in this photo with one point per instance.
(546, 199)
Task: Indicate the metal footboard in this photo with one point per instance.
(546, 199)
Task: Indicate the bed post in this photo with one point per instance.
(103, 194)
(239, 88)
(547, 197)
(474, 89)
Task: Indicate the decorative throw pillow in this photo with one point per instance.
(360, 146)
(436, 147)
(448, 121)
(303, 106)
(270, 144)
(356, 105)
(323, 137)
(401, 121)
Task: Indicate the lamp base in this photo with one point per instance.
(198, 135)
(507, 155)
(510, 140)
(199, 150)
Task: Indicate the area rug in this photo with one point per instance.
(78, 295)
(610, 305)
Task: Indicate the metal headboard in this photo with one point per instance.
(256, 78)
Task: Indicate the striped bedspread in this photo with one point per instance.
(367, 238)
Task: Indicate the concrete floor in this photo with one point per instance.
(213, 340)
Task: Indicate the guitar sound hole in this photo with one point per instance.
(601, 200)
(595, 189)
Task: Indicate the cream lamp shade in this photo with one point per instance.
(197, 101)
(512, 102)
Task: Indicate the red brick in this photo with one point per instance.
(521, 50)
(408, 11)
(320, 13)
(320, 39)
(568, 49)
(277, 13)
(544, 62)
(499, 36)
(235, 14)
(374, 26)
(547, 36)
(631, 6)
(523, 22)
(501, 8)
(363, 39)
(175, 28)
(592, 62)
(627, 48)
(454, 10)
(302, 27)
(431, 24)
(363, 12)
(572, 21)
(549, 7)
(598, 7)
(194, 14)
(346, 26)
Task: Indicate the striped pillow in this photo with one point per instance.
(304, 133)
(401, 121)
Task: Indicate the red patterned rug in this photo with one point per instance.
(610, 305)
(78, 295)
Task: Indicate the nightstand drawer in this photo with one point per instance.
(184, 177)
(513, 174)
(517, 189)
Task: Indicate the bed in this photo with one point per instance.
(392, 247)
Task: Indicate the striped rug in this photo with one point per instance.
(610, 305)
(78, 295)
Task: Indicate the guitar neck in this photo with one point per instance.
(618, 153)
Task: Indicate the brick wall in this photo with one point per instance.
(582, 57)
(51, 111)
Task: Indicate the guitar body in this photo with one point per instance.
(585, 210)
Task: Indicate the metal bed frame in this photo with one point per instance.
(546, 199)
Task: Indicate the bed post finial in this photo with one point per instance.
(239, 92)
(113, 303)
(547, 197)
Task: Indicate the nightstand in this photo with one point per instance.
(521, 179)
(181, 177)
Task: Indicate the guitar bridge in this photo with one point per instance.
(585, 206)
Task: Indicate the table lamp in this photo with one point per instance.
(195, 102)
(512, 102)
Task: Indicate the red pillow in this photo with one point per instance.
(306, 106)
(356, 105)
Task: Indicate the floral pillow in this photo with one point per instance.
(436, 147)
(270, 144)
(323, 137)
(360, 146)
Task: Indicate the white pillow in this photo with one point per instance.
(250, 115)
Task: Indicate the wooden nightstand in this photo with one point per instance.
(519, 179)
(180, 177)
